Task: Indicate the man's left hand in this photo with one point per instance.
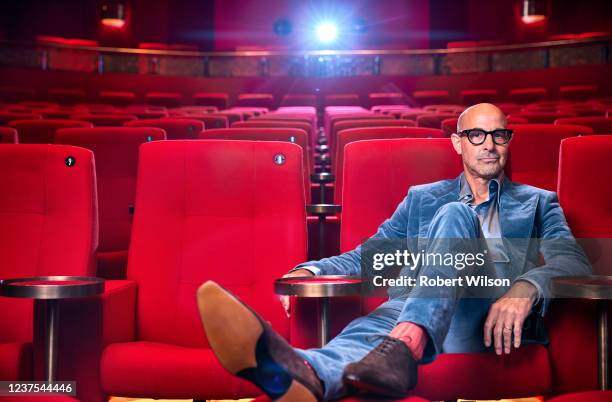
(506, 316)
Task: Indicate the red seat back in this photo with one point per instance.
(384, 170)
(256, 100)
(527, 95)
(433, 120)
(600, 125)
(346, 137)
(43, 131)
(166, 99)
(48, 221)
(7, 117)
(341, 100)
(104, 120)
(176, 129)
(116, 153)
(228, 211)
(534, 152)
(542, 117)
(299, 100)
(473, 96)
(8, 135)
(210, 120)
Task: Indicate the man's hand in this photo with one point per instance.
(295, 274)
(506, 316)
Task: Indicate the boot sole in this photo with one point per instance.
(371, 389)
(233, 331)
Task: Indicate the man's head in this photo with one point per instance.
(486, 160)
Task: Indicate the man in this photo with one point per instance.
(379, 352)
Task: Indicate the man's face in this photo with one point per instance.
(488, 159)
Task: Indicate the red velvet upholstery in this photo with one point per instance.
(430, 97)
(600, 125)
(16, 94)
(66, 96)
(527, 95)
(332, 134)
(542, 117)
(256, 100)
(7, 117)
(209, 120)
(39, 104)
(474, 96)
(341, 100)
(582, 163)
(167, 99)
(294, 135)
(117, 98)
(587, 396)
(232, 117)
(433, 120)
(299, 100)
(348, 136)
(534, 152)
(116, 154)
(8, 135)
(43, 131)
(216, 99)
(48, 226)
(176, 129)
(104, 120)
(386, 98)
(205, 210)
(415, 114)
(578, 92)
(259, 123)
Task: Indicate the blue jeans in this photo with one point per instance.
(453, 324)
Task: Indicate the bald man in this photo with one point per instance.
(481, 210)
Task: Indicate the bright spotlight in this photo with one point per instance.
(327, 32)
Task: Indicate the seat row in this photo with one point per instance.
(221, 100)
(233, 212)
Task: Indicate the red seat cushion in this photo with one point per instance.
(587, 396)
(16, 360)
(537, 165)
(157, 370)
(43, 131)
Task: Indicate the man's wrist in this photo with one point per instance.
(524, 289)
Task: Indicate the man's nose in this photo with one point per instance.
(488, 142)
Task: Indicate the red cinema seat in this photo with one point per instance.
(176, 129)
(215, 99)
(578, 93)
(386, 98)
(542, 117)
(341, 100)
(425, 98)
(348, 136)
(255, 100)
(534, 152)
(259, 123)
(116, 153)
(104, 120)
(55, 114)
(39, 105)
(433, 120)
(334, 120)
(210, 120)
(7, 117)
(414, 114)
(474, 96)
(445, 108)
(600, 125)
(232, 117)
(299, 100)
(585, 396)
(48, 226)
(117, 98)
(362, 123)
(66, 96)
(582, 168)
(8, 135)
(294, 135)
(527, 95)
(166, 99)
(43, 131)
(197, 204)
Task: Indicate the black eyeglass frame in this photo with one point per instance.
(466, 133)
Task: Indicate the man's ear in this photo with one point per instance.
(456, 140)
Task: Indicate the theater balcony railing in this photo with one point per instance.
(322, 63)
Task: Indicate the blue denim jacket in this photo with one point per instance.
(526, 212)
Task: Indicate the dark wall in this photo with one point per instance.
(230, 24)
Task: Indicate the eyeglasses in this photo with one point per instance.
(477, 136)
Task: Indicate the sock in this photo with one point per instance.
(413, 335)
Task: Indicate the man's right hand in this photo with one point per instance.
(300, 273)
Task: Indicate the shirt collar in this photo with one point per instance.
(495, 188)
